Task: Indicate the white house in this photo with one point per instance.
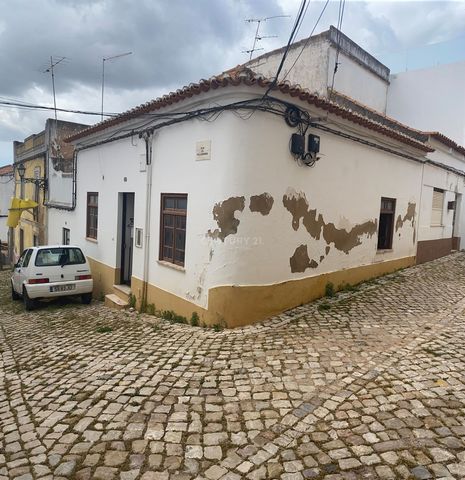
(427, 100)
(197, 201)
(430, 99)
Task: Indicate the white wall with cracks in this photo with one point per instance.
(228, 242)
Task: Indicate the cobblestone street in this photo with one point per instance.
(368, 384)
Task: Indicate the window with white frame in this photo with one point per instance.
(437, 207)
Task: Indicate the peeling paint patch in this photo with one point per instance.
(327, 249)
(300, 261)
(223, 214)
(344, 240)
(261, 203)
(408, 217)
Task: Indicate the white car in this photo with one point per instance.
(51, 271)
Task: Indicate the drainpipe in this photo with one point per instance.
(148, 137)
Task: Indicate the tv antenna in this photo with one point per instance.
(259, 37)
(54, 61)
(106, 59)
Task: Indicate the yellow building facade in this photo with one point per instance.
(32, 227)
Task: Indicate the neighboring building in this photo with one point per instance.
(219, 217)
(442, 215)
(430, 99)
(49, 160)
(6, 192)
(310, 63)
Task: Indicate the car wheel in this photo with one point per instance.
(29, 303)
(14, 295)
(86, 298)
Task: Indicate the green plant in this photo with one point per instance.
(150, 309)
(329, 290)
(195, 319)
(101, 296)
(173, 317)
(217, 327)
(104, 329)
(324, 306)
(347, 287)
(132, 300)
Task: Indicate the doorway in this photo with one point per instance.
(127, 236)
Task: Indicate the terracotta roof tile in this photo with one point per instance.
(6, 170)
(248, 78)
(447, 141)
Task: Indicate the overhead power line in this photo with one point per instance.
(298, 21)
(338, 40)
(308, 39)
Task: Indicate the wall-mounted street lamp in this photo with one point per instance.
(40, 182)
(106, 59)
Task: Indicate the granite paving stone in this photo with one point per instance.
(370, 386)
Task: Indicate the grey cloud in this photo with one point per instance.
(173, 42)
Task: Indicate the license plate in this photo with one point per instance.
(63, 288)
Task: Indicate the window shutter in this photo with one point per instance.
(438, 202)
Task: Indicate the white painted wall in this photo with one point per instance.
(61, 187)
(104, 170)
(248, 157)
(357, 82)
(310, 71)
(452, 184)
(6, 192)
(314, 71)
(431, 99)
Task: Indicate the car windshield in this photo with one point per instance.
(53, 257)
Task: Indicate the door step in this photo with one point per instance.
(114, 301)
(122, 291)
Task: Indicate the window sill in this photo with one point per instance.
(436, 226)
(93, 240)
(171, 265)
(380, 251)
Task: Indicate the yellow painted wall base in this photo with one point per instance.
(104, 277)
(244, 305)
(235, 306)
(164, 300)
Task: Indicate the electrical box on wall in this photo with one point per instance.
(313, 143)
(297, 144)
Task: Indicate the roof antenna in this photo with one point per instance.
(54, 61)
(258, 37)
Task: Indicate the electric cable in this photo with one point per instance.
(308, 39)
(291, 39)
(338, 47)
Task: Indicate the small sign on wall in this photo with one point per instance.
(203, 150)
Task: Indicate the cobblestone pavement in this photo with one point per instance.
(369, 384)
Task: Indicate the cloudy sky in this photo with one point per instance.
(175, 42)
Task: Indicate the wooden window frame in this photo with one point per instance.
(89, 230)
(392, 213)
(176, 213)
(441, 210)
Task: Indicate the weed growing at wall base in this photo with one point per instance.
(329, 290)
